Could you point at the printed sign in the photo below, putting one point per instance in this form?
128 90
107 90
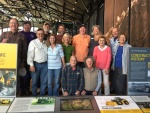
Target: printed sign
139 71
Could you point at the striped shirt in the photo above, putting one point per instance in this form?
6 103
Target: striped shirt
37 51
54 57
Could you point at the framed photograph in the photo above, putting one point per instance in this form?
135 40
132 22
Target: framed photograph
74 104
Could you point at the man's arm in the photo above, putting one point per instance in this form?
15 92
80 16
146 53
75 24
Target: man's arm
99 80
31 54
61 53
107 66
64 81
81 81
24 51
3 39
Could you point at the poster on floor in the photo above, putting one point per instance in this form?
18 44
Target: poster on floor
143 102
8 70
139 71
5 104
32 105
117 104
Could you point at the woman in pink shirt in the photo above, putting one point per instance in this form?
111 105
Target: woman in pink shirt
102 55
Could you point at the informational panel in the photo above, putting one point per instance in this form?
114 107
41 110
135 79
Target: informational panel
8 70
117 104
5 104
139 71
33 105
143 102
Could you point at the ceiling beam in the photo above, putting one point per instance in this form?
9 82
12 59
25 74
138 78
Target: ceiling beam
61 13
65 8
74 5
64 5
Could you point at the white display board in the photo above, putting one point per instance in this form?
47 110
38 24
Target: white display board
32 105
117 104
5 104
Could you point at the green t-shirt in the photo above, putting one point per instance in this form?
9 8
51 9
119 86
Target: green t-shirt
68 52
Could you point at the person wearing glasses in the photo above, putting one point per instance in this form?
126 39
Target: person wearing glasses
13 36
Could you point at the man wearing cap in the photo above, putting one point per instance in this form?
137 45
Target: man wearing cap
81 43
60 33
13 36
25 81
46 28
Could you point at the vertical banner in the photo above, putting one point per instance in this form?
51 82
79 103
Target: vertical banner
8 70
139 71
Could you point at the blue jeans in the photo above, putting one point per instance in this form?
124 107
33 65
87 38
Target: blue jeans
40 73
53 77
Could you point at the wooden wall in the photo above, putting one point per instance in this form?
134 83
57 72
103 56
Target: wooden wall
134 23
116 15
140 23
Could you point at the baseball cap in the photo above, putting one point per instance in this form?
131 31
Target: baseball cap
46 23
22 71
82 25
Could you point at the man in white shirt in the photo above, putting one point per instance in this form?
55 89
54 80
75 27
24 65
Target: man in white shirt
37 59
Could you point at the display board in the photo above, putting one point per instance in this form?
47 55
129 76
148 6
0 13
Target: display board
117 104
143 102
5 104
8 70
139 71
76 104
32 105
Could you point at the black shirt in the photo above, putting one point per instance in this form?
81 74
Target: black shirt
93 43
46 36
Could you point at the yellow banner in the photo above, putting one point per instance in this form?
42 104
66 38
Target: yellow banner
8 56
122 111
146 110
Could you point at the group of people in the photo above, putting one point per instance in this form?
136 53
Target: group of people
78 65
